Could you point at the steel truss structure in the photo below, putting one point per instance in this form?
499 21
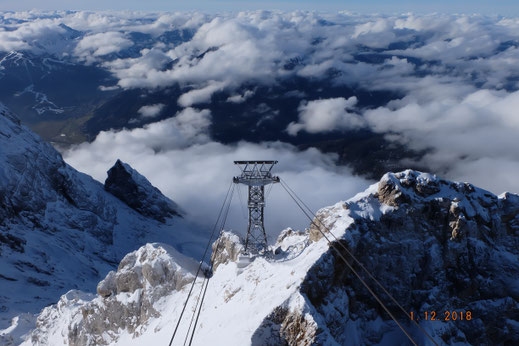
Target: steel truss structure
256 174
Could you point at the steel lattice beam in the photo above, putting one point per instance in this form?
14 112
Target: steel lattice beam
256 174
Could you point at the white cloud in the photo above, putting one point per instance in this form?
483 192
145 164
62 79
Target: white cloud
187 128
151 111
377 33
196 172
38 36
96 45
326 115
200 95
255 47
238 98
456 77
460 135
143 71
108 88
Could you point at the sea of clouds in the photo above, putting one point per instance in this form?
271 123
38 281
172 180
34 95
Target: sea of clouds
457 76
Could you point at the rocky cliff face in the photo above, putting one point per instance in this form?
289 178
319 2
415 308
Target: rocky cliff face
60 229
435 245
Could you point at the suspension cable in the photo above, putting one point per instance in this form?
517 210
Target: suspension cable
201 263
206 280
360 264
351 267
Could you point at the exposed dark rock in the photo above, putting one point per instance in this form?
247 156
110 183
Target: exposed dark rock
137 192
15 243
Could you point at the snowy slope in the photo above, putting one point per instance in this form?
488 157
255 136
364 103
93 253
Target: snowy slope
435 245
60 229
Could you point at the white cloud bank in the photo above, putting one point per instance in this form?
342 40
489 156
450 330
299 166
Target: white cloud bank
178 157
200 95
457 75
100 44
470 139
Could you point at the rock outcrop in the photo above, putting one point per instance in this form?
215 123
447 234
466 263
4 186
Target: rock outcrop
136 191
125 300
230 246
59 228
435 245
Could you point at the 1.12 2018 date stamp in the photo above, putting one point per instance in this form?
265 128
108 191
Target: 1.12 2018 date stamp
442 316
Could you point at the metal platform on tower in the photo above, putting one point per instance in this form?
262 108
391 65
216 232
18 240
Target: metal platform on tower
256 174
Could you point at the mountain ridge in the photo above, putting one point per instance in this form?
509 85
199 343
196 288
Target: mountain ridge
435 245
61 229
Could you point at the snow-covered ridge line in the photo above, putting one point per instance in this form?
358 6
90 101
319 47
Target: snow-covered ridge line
125 299
434 244
61 230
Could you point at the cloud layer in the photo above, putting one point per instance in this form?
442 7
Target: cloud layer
471 139
455 78
178 157
151 111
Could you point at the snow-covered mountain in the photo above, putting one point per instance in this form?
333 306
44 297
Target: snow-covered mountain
435 245
60 229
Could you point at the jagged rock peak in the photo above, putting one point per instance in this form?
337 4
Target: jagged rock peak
440 246
230 246
150 266
412 186
126 298
138 193
437 245
60 228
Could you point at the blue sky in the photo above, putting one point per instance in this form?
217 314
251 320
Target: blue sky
503 7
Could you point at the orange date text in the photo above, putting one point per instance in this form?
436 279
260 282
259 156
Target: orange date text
444 316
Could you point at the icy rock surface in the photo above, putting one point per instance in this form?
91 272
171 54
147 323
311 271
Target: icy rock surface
137 192
125 299
59 228
435 245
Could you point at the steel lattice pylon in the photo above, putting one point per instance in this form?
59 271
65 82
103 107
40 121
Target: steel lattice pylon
256 174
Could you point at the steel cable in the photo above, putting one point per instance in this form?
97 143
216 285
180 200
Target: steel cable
200 265
351 268
362 267
206 280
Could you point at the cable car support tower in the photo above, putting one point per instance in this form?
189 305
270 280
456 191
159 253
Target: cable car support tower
256 174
